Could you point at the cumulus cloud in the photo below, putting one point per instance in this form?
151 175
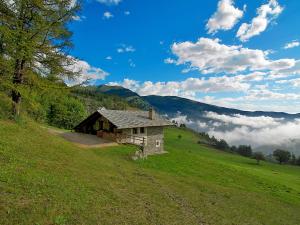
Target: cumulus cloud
265 14
211 56
285 72
110 2
292 44
225 17
87 73
107 15
189 87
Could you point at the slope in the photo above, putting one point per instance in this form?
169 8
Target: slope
46 180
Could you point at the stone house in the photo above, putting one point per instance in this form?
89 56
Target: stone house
142 128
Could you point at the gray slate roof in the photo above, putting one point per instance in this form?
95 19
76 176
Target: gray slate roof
131 119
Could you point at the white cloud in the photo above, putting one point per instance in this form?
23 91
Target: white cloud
292 44
295 70
110 2
127 13
72 4
260 99
265 14
78 18
241 120
189 87
107 15
125 48
294 82
170 61
210 56
87 73
256 131
225 17
108 58
181 119
131 63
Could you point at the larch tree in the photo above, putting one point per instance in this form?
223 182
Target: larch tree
34 38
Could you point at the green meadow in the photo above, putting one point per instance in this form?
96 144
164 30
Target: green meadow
47 180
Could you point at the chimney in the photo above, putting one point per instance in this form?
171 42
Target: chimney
151 114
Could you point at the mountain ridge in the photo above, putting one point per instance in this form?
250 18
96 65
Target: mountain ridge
162 104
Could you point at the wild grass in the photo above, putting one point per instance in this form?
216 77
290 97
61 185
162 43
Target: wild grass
46 180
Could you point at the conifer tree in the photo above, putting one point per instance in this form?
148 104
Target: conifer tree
34 38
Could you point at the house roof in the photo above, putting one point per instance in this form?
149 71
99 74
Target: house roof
131 119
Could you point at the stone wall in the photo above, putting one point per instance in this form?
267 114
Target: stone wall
155 140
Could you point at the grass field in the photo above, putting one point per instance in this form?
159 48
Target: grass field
46 180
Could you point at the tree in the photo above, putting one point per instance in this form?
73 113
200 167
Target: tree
222 145
66 112
282 156
298 161
245 150
233 148
293 159
258 156
182 125
34 38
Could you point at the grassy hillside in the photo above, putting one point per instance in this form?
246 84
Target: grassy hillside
46 180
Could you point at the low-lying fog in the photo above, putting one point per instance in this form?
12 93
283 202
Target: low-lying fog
262 133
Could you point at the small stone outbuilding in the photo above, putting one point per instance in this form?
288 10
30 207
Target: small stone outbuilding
142 128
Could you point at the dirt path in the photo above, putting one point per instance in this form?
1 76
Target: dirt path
83 140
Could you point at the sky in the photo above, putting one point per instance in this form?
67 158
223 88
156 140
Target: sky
239 54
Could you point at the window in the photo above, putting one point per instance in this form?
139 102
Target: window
142 130
134 131
157 143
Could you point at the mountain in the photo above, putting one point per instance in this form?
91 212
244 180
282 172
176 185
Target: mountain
131 97
264 131
171 105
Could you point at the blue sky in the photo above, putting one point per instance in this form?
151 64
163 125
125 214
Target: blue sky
241 54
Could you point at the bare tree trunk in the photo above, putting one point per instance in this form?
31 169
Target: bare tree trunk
17 80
